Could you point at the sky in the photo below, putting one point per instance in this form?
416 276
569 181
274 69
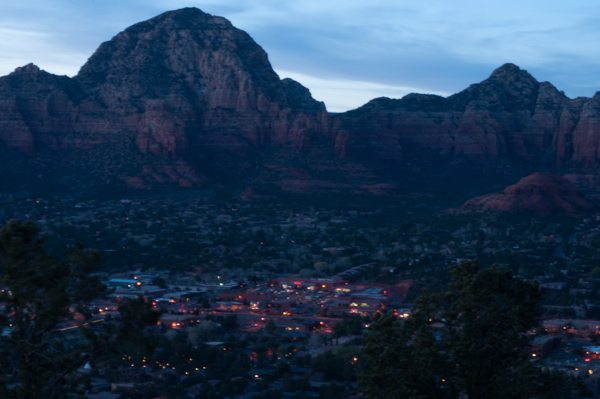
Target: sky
346 52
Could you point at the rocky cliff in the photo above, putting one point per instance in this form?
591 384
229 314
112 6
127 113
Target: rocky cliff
541 193
510 115
185 99
180 88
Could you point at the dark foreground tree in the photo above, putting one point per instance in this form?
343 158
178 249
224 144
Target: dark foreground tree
467 341
39 293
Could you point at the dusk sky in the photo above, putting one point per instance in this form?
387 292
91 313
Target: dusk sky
346 52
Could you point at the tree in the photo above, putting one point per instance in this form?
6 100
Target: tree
270 327
467 341
159 281
39 293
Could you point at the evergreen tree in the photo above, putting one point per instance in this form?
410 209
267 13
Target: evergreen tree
467 341
39 293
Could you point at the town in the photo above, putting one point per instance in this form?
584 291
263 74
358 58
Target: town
264 300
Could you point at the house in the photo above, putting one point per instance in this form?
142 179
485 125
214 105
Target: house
543 345
177 321
555 286
123 283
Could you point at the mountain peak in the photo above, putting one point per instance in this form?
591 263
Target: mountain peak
173 45
30 68
187 18
509 86
506 69
511 75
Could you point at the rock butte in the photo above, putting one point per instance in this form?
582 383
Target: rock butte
539 192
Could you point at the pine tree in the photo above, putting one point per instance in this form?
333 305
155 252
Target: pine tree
467 341
39 292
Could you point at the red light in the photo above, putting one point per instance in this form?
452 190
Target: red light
297 283
587 360
153 303
322 323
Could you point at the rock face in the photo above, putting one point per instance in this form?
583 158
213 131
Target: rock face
173 91
510 115
541 193
185 99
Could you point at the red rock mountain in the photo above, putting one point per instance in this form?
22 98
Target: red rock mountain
509 115
181 87
185 99
539 193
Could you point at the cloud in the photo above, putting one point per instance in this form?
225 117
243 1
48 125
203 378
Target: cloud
447 43
342 95
436 46
21 47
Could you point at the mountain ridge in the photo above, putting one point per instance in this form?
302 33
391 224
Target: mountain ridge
186 100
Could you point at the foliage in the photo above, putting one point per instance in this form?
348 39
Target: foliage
39 293
350 325
466 341
233 387
159 281
337 365
128 338
270 327
42 293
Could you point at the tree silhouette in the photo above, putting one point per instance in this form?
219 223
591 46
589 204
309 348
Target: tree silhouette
40 293
467 341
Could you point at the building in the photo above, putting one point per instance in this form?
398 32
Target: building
544 345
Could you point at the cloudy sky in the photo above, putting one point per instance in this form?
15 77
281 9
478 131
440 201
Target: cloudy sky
345 51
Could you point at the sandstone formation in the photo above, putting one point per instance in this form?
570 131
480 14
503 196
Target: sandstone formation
508 116
187 100
171 92
542 193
